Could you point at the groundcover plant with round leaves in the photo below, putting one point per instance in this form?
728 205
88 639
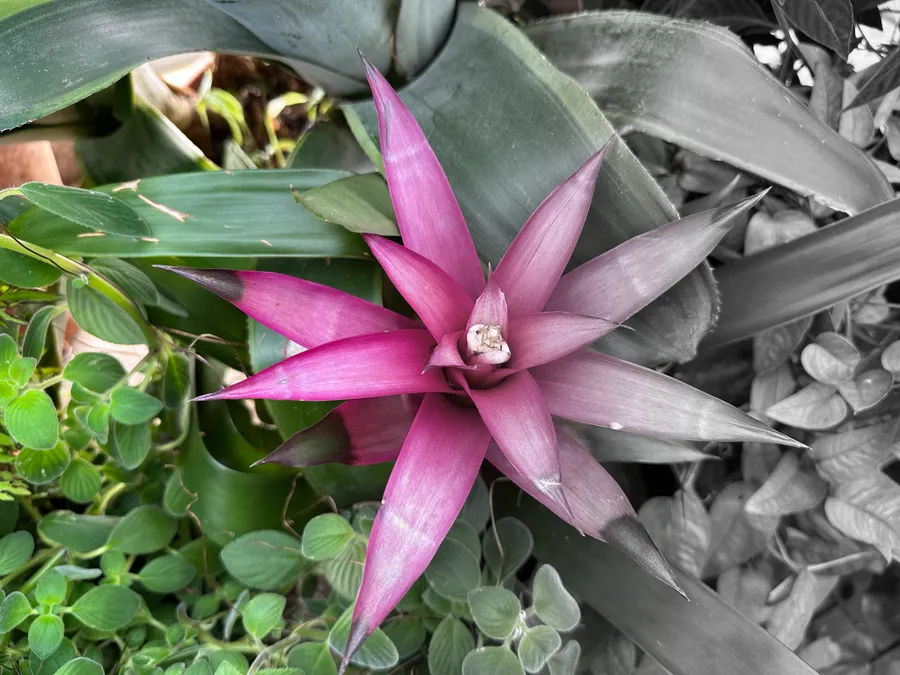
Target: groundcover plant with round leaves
487 366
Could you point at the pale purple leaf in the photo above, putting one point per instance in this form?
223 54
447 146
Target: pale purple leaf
537 339
446 354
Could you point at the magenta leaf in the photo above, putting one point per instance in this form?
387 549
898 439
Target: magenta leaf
536 339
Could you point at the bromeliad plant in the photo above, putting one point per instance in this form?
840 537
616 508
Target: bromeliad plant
495 361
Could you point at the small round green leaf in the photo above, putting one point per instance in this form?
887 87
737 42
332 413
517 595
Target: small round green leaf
517 543
537 645
565 661
80 481
376 653
22 369
454 570
113 563
262 614
325 536
80 666
132 443
101 317
448 648
199 667
266 559
25 272
77 532
107 607
477 508
9 351
177 499
42 466
144 530
167 574
553 604
234 658
31 420
94 210
176 381
492 661
9 514
95 371
8 391
45 634
14 609
495 610
51 589
313 658
407 633
344 572
48 666
15 551
132 406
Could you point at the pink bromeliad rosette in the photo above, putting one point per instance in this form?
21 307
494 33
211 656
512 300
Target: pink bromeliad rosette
487 367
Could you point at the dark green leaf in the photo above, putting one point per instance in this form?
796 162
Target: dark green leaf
208 214
80 482
63 654
80 666
262 614
132 406
647 80
376 653
107 607
492 661
101 317
358 203
15 550
31 420
51 589
515 545
495 610
36 333
344 571
448 647
167 574
313 658
130 279
143 530
407 633
176 380
878 80
537 645
132 443
176 498
477 508
25 272
828 22
95 211
266 559
422 27
45 635
329 145
325 536
95 419
9 514
467 535
95 371
454 570
553 604
77 532
13 611
42 466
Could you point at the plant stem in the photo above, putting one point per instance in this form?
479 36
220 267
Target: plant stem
46 567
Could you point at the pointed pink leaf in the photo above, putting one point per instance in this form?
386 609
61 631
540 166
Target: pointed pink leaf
538 255
486 328
446 354
310 314
428 215
428 486
383 364
599 508
439 301
515 413
598 389
490 309
536 339
626 279
366 431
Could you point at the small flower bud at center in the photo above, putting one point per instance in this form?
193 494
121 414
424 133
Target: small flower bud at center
487 343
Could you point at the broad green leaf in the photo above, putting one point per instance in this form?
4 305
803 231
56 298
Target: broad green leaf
828 22
853 256
565 661
358 203
80 482
209 214
422 27
234 658
407 633
495 610
132 406
24 272
499 181
31 420
647 80
36 333
878 80
313 658
176 380
376 653
875 502
95 419
477 508
329 145
792 616
9 514
553 604
679 526
262 614
95 371
132 443
735 536
143 530
176 498
816 406
537 645
467 535
129 278
661 622
107 607
867 389
77 532
505 557
21 370
113 563
9 351
861 524
95 211
45 634
101 317
51 589
492 661
325 536
344 571
454 570
14 609
831 359
166 574
42 466
15 550
448 647
50 665
788 489
80 666
199 667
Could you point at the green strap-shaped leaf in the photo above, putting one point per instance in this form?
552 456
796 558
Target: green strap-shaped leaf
699 87
422 27
509 134
207 214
